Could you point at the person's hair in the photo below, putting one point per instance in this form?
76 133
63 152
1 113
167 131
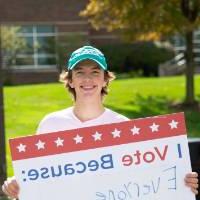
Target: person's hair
66 77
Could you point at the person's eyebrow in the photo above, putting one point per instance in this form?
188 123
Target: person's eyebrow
95 67
78 68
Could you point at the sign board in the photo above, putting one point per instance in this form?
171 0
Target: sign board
141 159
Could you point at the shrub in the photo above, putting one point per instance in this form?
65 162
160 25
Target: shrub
140 56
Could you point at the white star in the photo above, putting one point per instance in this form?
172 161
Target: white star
116 133
78 139
59 142
173 124
154 127
40 145
21 147
97 136
135 130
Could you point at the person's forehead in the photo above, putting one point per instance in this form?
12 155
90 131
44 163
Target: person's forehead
87 64
86 67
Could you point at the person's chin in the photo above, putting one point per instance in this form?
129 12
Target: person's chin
90 94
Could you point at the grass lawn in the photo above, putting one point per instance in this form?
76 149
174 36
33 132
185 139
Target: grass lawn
3 198
26 105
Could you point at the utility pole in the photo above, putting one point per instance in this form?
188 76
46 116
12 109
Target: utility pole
3 174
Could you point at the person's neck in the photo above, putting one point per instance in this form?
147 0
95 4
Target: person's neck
85 111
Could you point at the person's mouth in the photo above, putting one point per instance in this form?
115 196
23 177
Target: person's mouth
88 88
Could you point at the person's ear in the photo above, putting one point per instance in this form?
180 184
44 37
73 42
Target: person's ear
71 84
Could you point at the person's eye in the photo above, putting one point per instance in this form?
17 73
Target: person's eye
79 72
95 72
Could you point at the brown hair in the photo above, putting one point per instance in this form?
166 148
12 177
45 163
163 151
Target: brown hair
66 77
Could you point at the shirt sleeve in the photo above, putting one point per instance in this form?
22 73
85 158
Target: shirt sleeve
44 126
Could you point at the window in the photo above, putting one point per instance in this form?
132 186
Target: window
39 51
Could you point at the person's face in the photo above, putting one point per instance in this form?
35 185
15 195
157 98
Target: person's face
87 80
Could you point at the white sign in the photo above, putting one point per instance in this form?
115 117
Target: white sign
142 159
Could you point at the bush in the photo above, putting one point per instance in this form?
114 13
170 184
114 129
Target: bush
142 57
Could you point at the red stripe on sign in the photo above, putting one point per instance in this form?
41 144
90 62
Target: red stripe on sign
98 136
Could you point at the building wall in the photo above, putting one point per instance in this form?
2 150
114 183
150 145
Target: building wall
63 13
30 77
71 29
40 10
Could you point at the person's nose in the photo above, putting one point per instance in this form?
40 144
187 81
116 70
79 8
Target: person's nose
87 77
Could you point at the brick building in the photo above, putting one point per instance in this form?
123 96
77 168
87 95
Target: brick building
51 30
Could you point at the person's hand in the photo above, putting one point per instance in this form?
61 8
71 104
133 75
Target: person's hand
191 180
11 188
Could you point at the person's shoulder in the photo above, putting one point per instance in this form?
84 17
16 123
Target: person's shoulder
54 121
58 114
116 116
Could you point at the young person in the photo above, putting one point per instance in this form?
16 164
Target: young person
87 79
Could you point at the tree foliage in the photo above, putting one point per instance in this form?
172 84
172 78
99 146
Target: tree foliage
150 18
10 41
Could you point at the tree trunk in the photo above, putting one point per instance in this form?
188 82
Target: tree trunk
190 97
2 132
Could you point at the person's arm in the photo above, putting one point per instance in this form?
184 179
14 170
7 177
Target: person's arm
11 187
191 180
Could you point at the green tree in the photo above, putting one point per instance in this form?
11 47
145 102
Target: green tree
12 43
150 19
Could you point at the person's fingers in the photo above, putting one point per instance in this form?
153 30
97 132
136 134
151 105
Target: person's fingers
192 185
192 175
11 188
191 180
8 193
4 189
12 185
195 191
